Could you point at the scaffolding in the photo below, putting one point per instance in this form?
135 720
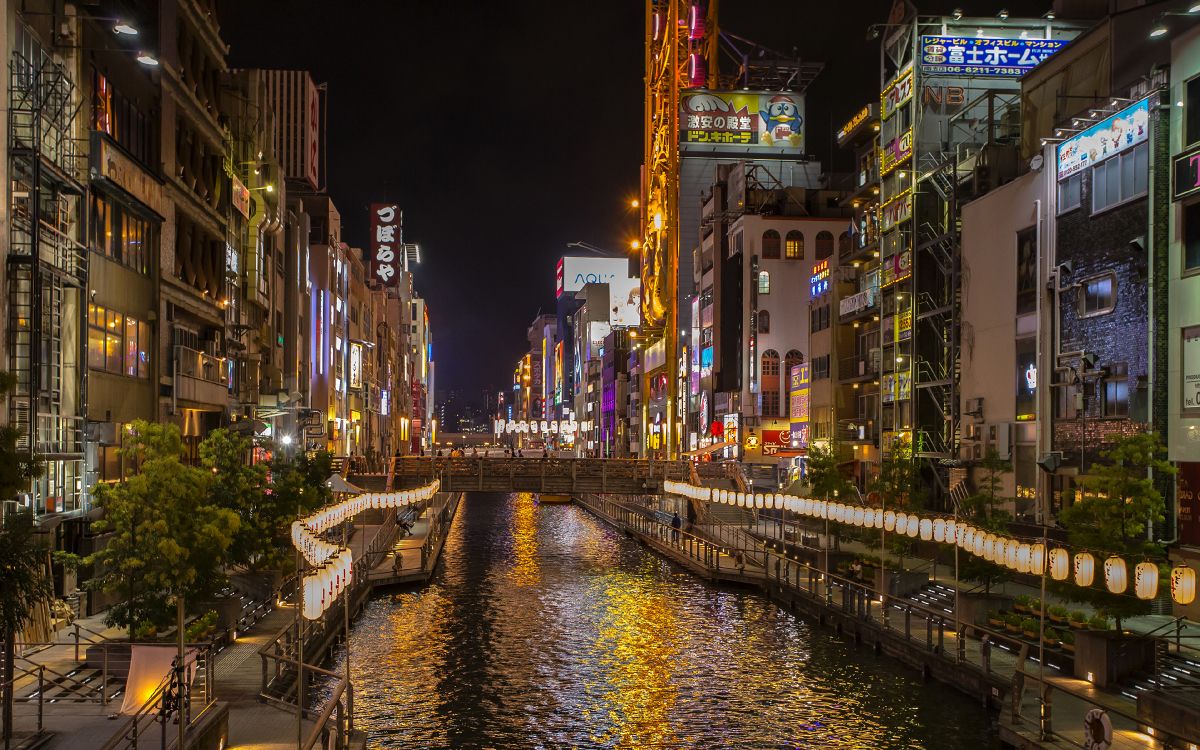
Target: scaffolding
47 271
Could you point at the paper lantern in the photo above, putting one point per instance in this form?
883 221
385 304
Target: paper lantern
758 500
901 523
939 530
1085 569
968 538
1023 553
1145 580
889 520
925 529
1059 564
1037 559
1115 579
1010 553
989 547
1183 585
914 526
980 542
739 499
859 517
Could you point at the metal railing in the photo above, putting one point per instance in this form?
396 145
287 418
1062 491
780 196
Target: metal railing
191 363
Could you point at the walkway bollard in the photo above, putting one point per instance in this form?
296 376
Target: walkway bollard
76 641
104 679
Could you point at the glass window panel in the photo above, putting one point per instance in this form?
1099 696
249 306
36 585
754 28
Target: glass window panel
1112 183
131 346
144 344
1128 176
112 352
1191 233
1193 111
95 348
1141 166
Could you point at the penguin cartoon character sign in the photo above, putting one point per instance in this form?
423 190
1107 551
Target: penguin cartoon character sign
782 122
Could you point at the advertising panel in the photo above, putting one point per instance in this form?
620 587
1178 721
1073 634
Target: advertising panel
1187 491
356 365
887 388
1109 137
1027 379
1190 364
764 123
854 123
239 196
732 433
312 135
855 302
798 404
903 324
896 211
818 283
973 56
896 152
1187 174
625 298
385 243
574 272
903 385
896 94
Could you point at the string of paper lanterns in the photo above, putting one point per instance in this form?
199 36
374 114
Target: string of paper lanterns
1016 554
333 564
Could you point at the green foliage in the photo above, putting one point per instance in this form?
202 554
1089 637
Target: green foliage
200 627
1117 503
23 581
1013 619
899 481
982 511
240 486
144 441
1058 611
1077 617
825 478
166 537
1098 622
1052 634
1029 625
1067 637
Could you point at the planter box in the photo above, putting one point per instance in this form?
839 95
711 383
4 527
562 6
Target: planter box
903 583
1107 656
973 608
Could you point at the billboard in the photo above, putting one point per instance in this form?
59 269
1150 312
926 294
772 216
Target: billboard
761 123
574 272
1109 137
356 365
973 56
798 404
385 243
625 300
312 135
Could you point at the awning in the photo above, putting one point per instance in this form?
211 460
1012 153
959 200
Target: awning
338 484
710 449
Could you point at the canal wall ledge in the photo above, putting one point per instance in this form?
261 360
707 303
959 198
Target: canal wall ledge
989 668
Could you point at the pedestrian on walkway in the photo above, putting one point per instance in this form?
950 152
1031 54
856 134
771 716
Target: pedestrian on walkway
676 523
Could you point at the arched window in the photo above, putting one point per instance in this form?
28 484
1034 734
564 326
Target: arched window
824 245
770 383
845 245
764 321
790 360
770 245
764 282
794 247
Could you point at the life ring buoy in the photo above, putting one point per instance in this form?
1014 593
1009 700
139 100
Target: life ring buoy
1097 730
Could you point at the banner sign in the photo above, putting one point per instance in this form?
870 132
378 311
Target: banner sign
798 404
896 211
356 363
1109 137
854 122
741 121
971 56
896 94
385 243
855 302
1187 493
895 153
239 196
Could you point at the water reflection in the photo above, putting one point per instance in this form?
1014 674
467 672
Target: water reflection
546 629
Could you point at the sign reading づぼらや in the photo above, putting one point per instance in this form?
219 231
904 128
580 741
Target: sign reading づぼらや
385 243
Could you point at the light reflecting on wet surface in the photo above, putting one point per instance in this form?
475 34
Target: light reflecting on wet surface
545 628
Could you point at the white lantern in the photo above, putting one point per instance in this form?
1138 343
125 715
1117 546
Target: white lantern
968 538
979 548
989 547
939 530
1037 559
951 532
1060 564
1085 569
901 523
1183 585
925 529
1115 579
889 520
914 526
860 516
741 500
759 501
1145 580
1010 553
1023 558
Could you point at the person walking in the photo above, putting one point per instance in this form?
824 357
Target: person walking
676 524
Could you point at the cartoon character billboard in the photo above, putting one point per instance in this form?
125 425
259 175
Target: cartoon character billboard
754 122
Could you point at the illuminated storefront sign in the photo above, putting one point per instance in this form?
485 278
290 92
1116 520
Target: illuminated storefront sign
798 404
903 385
239 196
1190 364
896 211
1109 137
853 123
356 352
896 152
887 388
896 94
903 325
819 281
1187 173
732 434
897 267
972 56
714 121
385 243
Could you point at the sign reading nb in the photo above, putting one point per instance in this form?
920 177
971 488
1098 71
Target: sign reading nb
385 243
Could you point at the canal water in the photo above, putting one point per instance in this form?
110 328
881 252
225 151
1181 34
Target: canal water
545 628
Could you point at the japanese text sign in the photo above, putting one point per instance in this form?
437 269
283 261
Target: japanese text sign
385 243
1109 137
967 56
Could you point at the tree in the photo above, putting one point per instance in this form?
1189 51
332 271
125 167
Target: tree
899 485
241 487
1116 505
825 478
298 485
167 539
23 582
981 510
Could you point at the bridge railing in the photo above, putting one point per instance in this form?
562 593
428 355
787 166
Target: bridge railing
536 474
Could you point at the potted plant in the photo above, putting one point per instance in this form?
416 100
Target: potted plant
1078 620
995 619
1029 628
1068 642
1021 604
1058 614
1051 638
1098 622
1035 606
1012 622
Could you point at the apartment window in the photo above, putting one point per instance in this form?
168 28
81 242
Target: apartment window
1070 193
764 282
770 383
1116 390
764 321
1192 113
1191 234
818 318
117 233
1120 178
820 367
790 360
119 344
770 245
1097 295
120 119
793 248
824 245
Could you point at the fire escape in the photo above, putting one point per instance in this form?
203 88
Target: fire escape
47 271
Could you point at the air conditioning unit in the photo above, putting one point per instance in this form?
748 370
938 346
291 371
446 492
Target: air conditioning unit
999 439
974 407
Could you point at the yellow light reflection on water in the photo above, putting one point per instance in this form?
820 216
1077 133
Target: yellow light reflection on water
525 571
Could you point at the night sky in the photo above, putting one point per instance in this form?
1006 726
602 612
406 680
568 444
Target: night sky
506 130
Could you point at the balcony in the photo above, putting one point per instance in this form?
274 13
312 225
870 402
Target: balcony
58 435
856 306
200 377
55 248
859 367
864 430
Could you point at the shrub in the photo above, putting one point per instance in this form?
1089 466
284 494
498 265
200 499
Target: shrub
1059 611
1068 637
1029 625
1078 617
1052 635
1098 622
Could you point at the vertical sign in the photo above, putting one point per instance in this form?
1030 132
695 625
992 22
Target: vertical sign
385 243
798 397
312 134
356 362
1187 492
